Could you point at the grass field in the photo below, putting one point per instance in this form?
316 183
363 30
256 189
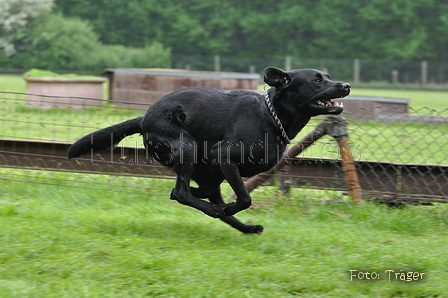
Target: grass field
420 99
12 83
60 241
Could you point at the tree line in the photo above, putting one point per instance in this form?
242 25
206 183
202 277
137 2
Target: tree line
366 29
315 29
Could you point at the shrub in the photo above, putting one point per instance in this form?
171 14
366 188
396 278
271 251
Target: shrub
59 43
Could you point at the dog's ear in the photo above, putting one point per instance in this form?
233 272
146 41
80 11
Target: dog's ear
276 77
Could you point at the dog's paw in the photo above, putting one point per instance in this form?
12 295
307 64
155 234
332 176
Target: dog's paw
257 229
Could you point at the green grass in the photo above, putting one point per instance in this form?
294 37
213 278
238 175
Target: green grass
420 99
64 125
60 241
12 83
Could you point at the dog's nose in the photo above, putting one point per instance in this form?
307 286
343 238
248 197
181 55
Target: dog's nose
346 86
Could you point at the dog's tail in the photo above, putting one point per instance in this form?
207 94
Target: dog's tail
105 138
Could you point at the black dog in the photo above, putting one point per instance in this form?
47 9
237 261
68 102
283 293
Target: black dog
209 135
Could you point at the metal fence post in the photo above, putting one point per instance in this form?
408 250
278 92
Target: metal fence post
394 76
217 62
424 72
288 63
356 71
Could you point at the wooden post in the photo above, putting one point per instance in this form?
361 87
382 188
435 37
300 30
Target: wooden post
339 133
350 173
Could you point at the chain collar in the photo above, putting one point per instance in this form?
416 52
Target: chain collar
277 120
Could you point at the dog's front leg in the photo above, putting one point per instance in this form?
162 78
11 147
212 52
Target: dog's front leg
243 198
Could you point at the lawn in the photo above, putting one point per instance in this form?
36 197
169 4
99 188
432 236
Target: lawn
61 241
12 83
421 100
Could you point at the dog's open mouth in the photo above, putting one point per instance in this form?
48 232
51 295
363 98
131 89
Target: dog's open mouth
326 106
327 103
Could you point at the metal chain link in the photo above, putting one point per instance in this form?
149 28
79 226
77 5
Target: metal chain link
277 120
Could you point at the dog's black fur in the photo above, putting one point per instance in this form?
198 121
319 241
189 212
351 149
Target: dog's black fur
208 135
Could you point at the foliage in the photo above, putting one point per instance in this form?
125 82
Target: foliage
380 29
113 56
15 14
59 43
118 33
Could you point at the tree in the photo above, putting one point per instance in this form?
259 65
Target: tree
14 15
55 42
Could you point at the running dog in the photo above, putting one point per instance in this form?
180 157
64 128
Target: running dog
209 135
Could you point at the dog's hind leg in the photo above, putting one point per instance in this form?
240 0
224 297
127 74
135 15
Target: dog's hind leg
216 198
182 193
211 190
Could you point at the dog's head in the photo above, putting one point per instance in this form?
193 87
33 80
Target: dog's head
310 90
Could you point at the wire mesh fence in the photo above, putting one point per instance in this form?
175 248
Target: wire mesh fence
399 156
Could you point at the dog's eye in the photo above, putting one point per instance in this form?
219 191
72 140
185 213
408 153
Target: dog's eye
318 80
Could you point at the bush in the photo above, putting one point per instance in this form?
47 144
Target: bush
55 42
58 43
113 56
